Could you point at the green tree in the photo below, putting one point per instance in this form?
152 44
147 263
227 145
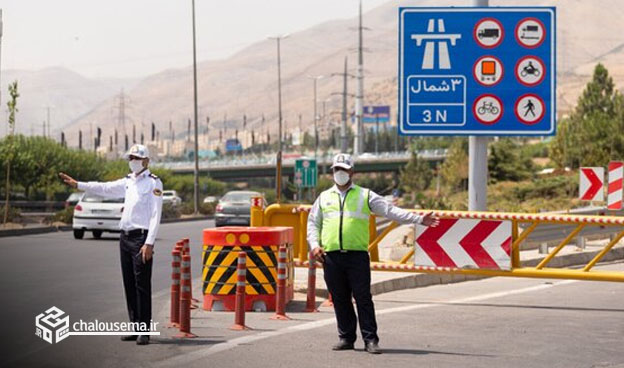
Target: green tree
592 135
505 162
416 176
12 105
454 170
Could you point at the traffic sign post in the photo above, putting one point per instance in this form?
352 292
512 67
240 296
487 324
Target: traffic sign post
477 71
306 173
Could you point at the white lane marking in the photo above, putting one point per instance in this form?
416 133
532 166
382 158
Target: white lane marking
231 344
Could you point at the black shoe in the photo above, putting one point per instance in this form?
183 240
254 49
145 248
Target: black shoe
343 345
129 338
372 347
143 340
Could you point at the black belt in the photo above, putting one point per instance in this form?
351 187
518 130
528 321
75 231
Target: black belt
135 232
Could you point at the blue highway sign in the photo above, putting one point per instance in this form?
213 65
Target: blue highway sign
477 71
374 114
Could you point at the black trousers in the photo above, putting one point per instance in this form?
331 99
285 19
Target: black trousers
137 278
348 274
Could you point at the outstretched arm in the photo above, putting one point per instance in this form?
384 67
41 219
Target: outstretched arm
110 189
381 207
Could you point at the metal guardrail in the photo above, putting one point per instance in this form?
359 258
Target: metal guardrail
546 234
37 206
258 160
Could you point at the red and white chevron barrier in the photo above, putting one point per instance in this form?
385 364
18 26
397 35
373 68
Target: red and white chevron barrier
614 192
591 183
459 243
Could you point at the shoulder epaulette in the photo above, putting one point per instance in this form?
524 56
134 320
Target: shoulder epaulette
153 176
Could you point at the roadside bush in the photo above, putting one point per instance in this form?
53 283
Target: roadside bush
65 215
207 209
184 185
14 214
169 211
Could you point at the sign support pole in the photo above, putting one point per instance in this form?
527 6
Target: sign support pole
477 162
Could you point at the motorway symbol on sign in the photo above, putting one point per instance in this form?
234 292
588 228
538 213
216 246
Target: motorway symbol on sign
614 191
529 109
449 58
530 71
431 38
591 184
464 243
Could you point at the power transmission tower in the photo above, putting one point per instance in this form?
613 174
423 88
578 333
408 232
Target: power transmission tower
122 106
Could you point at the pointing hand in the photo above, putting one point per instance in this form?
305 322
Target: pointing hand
430 220
68 180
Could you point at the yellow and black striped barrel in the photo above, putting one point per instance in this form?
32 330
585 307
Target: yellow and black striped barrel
219 269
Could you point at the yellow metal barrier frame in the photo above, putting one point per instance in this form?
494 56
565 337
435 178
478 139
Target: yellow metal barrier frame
296 216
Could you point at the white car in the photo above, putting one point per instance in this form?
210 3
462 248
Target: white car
97 214
171 196
211 199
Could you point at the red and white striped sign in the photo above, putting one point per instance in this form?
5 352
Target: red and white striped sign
257 202
614 191
464 243
591 184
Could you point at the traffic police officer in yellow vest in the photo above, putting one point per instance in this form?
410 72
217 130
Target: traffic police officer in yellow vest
338 236
142 193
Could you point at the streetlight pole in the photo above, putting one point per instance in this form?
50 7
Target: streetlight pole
278 179
316 140
196 168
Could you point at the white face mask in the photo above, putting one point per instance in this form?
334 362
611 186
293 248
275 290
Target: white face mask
341 177
135 166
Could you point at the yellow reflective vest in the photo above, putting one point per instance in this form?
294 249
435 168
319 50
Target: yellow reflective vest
345 223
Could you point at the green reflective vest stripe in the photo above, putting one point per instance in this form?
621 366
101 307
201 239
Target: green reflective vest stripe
345 225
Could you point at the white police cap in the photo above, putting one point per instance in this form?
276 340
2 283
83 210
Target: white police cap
343 160
138 150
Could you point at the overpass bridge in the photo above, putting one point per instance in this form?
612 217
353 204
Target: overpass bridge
264 166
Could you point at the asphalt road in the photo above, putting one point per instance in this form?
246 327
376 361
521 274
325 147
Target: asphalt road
498 322
81 277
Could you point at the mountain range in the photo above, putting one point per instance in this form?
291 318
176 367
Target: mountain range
245 84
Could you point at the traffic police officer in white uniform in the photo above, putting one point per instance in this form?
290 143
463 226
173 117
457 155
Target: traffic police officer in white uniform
338 236
142 193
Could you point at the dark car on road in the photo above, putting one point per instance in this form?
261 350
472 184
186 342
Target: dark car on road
234 208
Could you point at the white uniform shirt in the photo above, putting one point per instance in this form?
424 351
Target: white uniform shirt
377 204
142 200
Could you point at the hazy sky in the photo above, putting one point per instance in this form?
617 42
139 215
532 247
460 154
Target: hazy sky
134 38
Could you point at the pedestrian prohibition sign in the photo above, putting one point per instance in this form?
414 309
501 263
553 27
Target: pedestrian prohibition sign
477 71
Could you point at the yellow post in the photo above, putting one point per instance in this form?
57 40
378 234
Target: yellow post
373 247
303 235
606 249
515 251
565 241
372 234
407 256
256 212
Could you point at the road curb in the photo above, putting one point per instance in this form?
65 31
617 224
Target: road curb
53 229
429 279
